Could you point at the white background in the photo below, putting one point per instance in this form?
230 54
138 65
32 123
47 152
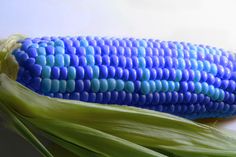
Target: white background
210 22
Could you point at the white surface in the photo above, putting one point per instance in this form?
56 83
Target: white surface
199 21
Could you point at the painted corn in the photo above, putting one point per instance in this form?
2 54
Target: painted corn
184 79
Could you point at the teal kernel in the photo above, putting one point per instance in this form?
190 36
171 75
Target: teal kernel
178 75
177 86
211 91
41 51
90 60
145 87
204 88
41 60
194 64
50 60
141 51
70 86
103 85
142 62
62 86
165 85
95 71
43 45
51 43
200 65
181 64
119 85
171 85
46 72
111 84
198 87
55 86
59 60
197 76
158 85
83 43
222 95
213 69
143 43
129 86
59 42
90 50
180 53
46 85
146 74
152 86
193 54
34 45
59 50
71 73
95 85
207 66
66 60
216 94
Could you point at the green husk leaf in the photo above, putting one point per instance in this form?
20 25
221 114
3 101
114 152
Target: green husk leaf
160 132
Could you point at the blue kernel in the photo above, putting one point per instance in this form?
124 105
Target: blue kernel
203 76
111 72
82 61
32 52
70 50
119 73
55 73
168 62
183 86
153 74
81 51
185 75
132 74
122 61
227 74
148 61
88 72
121 51
114 60
135 61
74 60
84 96
155 61
166 74
73 96
36 70
129 63
103 71
106 60
232 86
92 97
58 95
98 60
125 75
79 72
220 71
114 95
161 62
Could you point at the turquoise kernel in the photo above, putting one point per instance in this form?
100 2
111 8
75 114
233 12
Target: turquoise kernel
197 76
103 85
211 91
55 86
177 86
59 60
95 85
90 50
83 43
158 85
222 95
152 86
180 53
200 65
41 60
178 75
50 60
66 60
46 85
171 85
51 43
62 86
193 54
111 84
34 45
129 86
213 69
207 66
59 50
204 88
216 94
181 64
146 74
142 62
194 64
165 85
143 43
71 73
41 51
46 72
95 71
43 45
145 87
90 60
119 85
141 51
59 42
70 86
198 87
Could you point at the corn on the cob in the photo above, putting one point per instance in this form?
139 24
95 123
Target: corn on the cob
188 80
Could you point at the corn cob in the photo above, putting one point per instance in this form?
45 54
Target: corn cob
184 79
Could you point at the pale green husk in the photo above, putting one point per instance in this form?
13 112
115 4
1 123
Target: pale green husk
87 129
